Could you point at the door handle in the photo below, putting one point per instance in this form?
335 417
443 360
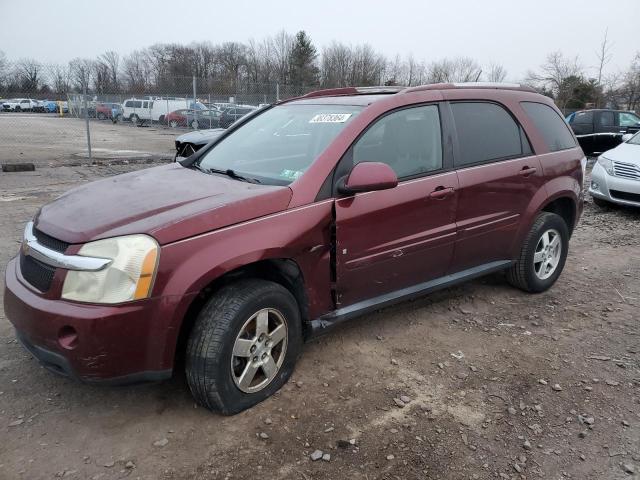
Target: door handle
527 171
441 192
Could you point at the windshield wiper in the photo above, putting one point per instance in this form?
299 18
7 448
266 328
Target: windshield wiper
233 174
228 172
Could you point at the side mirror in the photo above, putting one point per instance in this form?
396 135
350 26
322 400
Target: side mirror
627 136
367 177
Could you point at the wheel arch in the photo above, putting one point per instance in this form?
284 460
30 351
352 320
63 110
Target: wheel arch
283 271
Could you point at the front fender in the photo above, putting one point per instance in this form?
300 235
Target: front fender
301 234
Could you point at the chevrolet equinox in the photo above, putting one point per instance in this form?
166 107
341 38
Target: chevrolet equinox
298 217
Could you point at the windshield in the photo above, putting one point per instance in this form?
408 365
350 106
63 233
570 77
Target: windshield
277 146
635 140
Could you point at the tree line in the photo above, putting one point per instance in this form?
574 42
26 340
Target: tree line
293 60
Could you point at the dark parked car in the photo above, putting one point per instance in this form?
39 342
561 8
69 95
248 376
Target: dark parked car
601 130
231 114
305 215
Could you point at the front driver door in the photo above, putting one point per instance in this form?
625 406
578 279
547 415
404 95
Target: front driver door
392 239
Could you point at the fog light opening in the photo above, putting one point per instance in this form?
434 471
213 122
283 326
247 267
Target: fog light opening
595 186
68 337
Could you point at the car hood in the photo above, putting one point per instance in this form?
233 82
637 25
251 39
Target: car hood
169 202
200 136
625 152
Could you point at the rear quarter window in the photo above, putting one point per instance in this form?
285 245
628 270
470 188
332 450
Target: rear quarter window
486 132
554 130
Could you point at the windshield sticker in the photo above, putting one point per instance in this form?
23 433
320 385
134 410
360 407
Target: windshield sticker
291 174
330 118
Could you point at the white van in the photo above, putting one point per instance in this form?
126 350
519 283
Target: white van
155 108
135 109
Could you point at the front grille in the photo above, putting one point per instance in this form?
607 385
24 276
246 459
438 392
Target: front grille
629 197
50 242
36 273
626 170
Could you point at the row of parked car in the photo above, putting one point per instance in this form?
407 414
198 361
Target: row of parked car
31 105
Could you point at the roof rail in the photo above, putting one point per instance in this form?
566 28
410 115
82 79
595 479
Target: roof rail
332 92
490 85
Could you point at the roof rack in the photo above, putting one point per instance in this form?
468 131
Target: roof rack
332 92
489 85
344 91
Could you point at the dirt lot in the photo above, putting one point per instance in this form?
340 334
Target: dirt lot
46 139
501 384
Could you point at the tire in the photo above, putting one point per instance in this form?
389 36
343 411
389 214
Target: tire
194 124
18 109
134 118
214 370
531 276
602 203
101 116
173 124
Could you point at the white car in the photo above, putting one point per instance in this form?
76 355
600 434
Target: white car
154 108
19 105
616 175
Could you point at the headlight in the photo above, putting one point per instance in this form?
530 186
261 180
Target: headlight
606 164
129 276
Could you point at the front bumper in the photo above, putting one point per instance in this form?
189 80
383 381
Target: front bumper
115 344
614 189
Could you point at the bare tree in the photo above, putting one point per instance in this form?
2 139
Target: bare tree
28 73
111 62
556 76
496 73
82 70
604 55
459 69
4 69
60 79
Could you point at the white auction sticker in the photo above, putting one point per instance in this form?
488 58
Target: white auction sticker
330 118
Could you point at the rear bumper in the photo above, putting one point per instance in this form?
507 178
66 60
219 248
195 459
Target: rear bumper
614 189
115 344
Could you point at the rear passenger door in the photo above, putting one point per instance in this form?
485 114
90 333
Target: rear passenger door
498 176
391 239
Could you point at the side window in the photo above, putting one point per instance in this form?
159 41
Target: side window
607 119
628 119
128 104
408 140
486 132
583 118
145 104
137 104
551 126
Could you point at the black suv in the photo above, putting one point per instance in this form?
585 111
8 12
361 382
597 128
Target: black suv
602 130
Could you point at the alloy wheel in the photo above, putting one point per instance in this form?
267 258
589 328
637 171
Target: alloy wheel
259 350
547 254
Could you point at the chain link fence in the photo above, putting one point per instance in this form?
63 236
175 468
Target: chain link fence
41 123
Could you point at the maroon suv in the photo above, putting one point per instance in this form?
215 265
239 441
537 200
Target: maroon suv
302 216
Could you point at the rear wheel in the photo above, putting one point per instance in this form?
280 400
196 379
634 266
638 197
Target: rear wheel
134 118
101 116
194 124
18 109
543 254
243 346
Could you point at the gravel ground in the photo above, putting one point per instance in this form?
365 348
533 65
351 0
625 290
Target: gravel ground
480 381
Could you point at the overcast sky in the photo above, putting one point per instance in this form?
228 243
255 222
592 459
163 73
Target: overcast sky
516 34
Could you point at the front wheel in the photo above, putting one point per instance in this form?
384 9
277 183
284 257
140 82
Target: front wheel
543 254
173 124
243 346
